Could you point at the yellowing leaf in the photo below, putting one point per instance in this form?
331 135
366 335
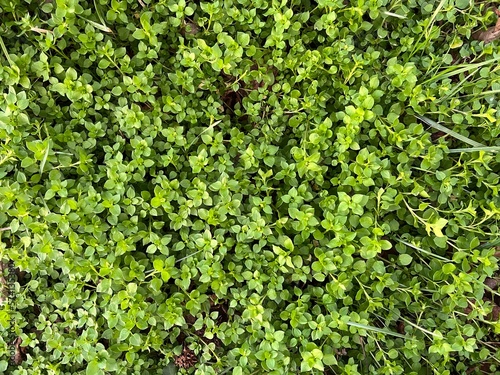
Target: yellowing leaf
436 227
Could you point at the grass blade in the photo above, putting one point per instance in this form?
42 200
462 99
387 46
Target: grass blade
423 251
458 87
45 156
433 18
489 244
457 69
422 329
390 14
211 126
101 18
483 93
450 132
98 25
188 256
5 52
376 329
42 31
473 149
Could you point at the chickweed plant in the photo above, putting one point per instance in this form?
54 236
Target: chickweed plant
249 187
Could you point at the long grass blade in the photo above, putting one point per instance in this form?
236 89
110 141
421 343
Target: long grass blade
211 126
42 31
489 244
376 329
5 52
45 156
390 14
98 25
188 256
474 149
450 132
101 18
483 93
433 18
458 87
423 251
421 328
457 69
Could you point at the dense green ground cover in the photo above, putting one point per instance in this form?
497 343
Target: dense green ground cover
249 187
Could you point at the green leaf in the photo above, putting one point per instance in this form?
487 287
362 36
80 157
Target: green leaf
462 4
158 265
27 161
243 39
405 259
103 64
329 359
139 34
135 340
124 333
165 275
156 284
93 368
448 268
14 225
156 202
170 369
287 243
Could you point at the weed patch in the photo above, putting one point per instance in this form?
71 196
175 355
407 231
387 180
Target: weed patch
249 187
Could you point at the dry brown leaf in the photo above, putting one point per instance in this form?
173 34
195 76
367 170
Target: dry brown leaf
20 353
42 31
186 359
491 34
